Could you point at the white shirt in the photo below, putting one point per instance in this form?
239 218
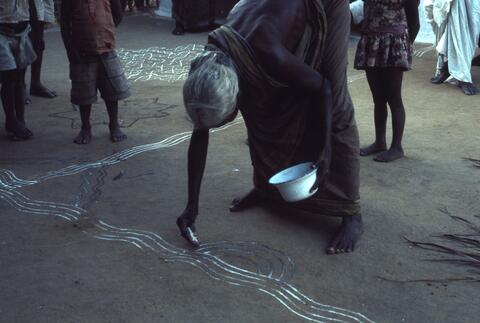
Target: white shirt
45 10
14 11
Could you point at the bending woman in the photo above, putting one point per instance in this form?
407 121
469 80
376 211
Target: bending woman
276 62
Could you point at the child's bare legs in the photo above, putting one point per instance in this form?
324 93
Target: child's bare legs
13 100
376 83
386 87
393 87
37 37
85 135
116 134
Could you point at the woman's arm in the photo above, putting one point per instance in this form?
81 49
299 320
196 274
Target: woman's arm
325 100
291 71
411 9
197 156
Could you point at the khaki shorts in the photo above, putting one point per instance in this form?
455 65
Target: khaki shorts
103 72
16 51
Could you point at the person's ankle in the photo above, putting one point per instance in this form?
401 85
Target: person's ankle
35 85
114 124
12 121
380 143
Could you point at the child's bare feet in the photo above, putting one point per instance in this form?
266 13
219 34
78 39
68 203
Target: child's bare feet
390 155
84 136
116 134
373 149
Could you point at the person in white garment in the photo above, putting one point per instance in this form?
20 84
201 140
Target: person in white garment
456 24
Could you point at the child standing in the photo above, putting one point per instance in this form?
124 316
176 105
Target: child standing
88 31
385 52
16 54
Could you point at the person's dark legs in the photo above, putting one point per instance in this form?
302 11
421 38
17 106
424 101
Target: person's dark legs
130 5
468 88
85 134
393 85
376 83
36 86
8 99
140 4
442 76
115 133
179 29
13 100
20 94
476 61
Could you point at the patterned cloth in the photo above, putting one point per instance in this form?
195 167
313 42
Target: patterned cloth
385 41
283 123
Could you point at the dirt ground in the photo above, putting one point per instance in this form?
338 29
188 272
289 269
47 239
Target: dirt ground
87 233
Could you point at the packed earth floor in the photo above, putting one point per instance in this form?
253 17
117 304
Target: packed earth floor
88 234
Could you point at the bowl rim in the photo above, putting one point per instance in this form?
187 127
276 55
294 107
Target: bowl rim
295 179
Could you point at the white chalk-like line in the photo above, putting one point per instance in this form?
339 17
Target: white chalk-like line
203 258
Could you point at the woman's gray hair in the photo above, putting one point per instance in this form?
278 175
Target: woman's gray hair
210 92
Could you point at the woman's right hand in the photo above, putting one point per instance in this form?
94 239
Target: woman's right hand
186 225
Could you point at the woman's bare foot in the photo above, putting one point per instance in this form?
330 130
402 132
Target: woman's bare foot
116 134
251 199
390 155
373 149
84 136
347 236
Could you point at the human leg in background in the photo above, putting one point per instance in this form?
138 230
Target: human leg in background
115 133
13 100
85 135
376 83
392 78
37 37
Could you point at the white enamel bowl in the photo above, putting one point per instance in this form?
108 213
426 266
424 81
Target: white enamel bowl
294 183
